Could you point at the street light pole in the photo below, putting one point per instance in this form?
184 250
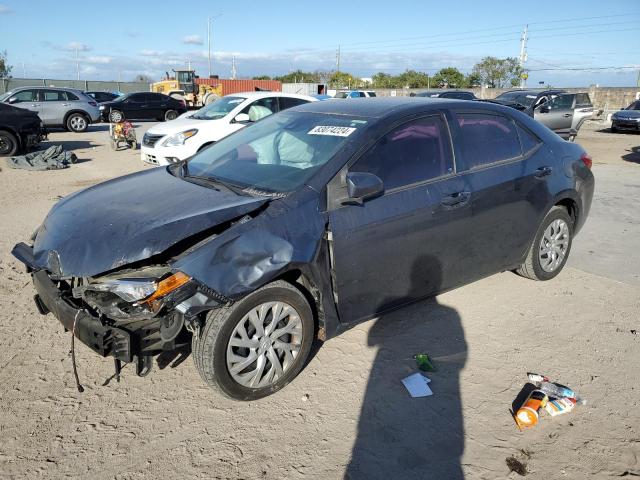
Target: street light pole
209 39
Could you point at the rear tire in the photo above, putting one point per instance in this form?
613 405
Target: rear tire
8 144
550 248
77 123
217 354
613 129
170 115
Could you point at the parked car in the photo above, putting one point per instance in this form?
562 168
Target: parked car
355 94
142 106
57 107
562 112
457 94
627 118
20 130
303 225
101 97
169 143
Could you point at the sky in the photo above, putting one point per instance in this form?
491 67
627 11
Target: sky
570 42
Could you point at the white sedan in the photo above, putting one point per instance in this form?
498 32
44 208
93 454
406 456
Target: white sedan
179 139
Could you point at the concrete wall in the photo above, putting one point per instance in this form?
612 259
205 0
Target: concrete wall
607 99
7 84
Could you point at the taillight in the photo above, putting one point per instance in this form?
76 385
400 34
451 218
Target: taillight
587 160
93 104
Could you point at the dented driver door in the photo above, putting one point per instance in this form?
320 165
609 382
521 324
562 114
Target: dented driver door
404 244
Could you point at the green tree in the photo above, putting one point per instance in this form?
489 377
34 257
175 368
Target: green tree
413 79
262 77
298 76
5 69
449 77
473 80
498 72
343 80
383 80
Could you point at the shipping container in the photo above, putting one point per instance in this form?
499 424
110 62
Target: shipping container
305 88
237 86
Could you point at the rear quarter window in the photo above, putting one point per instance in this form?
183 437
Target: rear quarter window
486 138
71 96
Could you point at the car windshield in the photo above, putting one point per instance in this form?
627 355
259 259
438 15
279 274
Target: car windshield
523 98
218 109
277 154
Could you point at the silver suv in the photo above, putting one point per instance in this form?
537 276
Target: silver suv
57 107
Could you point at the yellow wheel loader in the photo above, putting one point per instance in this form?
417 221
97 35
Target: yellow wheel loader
183 86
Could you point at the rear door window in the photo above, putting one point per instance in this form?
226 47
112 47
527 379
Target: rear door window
137 98
288 102
562 102
52 96
486 138
414 152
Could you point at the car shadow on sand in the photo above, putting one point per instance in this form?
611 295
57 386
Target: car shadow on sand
403 437
633 156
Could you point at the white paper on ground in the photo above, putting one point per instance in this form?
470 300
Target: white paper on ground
417 386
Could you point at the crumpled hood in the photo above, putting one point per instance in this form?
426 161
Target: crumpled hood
628 114
128 219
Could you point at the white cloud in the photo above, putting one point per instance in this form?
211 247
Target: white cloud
193 40
73 46
151 53
98 59
5 10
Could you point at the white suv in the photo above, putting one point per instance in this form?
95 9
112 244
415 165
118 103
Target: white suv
182 138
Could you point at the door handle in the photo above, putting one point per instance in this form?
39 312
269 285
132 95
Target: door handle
65 104
455 199
567 115
543 172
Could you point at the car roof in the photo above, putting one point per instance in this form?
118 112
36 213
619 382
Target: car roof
43 87
381 107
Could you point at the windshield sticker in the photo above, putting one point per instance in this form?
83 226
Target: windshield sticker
530 96
332 131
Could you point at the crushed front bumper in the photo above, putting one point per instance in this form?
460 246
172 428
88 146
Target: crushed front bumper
102 339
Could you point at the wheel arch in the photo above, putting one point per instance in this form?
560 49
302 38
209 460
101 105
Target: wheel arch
311 292
76 110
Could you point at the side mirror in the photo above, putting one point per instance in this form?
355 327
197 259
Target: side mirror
241 118
544 109
13 100
362 186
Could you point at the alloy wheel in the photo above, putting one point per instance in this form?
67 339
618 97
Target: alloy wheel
264 344
78 123
554 245
115 117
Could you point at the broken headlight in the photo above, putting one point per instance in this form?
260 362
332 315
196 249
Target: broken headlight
129 290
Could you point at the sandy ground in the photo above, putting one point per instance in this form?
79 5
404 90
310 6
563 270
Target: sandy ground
347 413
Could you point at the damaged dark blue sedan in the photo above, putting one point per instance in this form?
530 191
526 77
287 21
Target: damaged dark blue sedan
302 225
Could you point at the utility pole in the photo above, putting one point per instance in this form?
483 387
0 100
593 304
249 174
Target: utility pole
233 67
77 64
523 55
24 71
209 39
338 59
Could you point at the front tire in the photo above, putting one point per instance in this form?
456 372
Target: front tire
550 249
256 346
116 116
8 144
77 123
170 115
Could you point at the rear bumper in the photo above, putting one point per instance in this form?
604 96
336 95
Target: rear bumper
102 339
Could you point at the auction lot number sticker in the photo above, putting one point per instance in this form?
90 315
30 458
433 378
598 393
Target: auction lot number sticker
332 131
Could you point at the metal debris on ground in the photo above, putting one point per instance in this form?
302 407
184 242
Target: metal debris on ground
53 158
